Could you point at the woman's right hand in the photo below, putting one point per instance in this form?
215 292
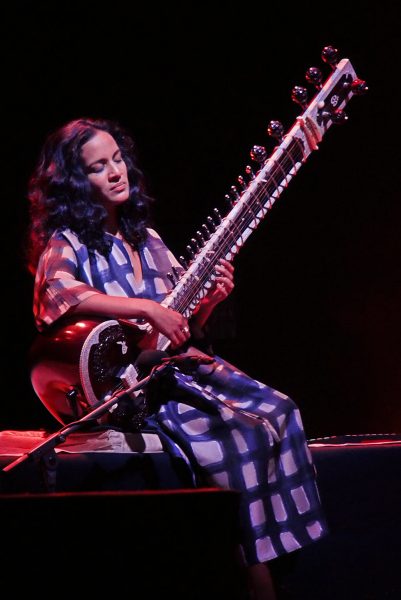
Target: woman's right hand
170 323
165 320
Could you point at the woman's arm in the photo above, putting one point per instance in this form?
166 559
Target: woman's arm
59 291
169 322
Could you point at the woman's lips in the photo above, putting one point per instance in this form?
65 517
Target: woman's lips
119 187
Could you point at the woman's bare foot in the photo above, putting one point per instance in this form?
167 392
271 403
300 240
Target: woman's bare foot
261 585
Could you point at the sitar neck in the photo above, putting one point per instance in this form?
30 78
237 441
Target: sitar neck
266 186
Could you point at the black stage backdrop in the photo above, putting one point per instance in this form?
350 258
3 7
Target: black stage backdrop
316 309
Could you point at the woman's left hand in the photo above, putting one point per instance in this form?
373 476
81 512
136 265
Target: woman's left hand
223 284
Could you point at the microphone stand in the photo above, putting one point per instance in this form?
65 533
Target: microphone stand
45 451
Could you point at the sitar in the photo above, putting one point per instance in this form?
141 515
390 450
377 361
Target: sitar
76 365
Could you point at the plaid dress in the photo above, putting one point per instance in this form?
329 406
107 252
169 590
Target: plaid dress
236 432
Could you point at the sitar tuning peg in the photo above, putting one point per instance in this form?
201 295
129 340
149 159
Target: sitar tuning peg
314 76
205 231
249 172
235 193
176 273
201 238
191 252
258 154
195 244
232 198
276 130
229 200
338 116
358 86
217 216
183 262
211 224
171 278
299 95
242 182
330 56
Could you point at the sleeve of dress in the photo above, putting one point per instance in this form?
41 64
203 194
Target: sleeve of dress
159 248
57 287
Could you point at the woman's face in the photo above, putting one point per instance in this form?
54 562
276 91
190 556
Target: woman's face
106 170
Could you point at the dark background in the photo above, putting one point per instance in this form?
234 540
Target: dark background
316 309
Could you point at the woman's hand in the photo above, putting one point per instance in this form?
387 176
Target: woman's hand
223 284
170 323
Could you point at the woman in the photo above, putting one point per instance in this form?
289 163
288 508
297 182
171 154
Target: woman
94 253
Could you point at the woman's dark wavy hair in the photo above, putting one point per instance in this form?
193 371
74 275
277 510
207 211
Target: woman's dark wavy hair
60 195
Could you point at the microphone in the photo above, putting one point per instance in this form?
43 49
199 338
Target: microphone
158 368
148 359
187 362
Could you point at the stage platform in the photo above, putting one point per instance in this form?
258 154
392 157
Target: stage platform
126 512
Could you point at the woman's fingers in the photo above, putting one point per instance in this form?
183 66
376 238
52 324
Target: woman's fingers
225 268
172 324
180 333
225 279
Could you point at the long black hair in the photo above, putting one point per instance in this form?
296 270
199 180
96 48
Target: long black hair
60 195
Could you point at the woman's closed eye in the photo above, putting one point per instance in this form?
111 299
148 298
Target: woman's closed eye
97 168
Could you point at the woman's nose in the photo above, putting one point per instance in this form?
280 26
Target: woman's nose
114 171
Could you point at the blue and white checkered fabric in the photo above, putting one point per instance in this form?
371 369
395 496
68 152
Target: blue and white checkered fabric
241 434
236 432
